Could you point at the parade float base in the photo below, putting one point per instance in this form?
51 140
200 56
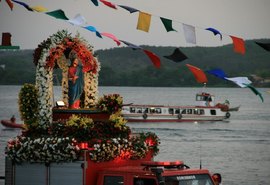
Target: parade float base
65 113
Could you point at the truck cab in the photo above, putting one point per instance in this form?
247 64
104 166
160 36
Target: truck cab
156 173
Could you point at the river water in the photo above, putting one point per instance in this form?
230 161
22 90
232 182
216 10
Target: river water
238 148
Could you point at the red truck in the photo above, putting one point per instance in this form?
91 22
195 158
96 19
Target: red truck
156 173
116 172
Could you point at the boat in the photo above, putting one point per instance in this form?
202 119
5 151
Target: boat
11 123
205 110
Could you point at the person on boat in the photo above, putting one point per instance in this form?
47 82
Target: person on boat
75 84
13 119
208 100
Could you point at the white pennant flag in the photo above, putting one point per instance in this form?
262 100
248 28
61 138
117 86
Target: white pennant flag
78 20
189 32
3 66
240 81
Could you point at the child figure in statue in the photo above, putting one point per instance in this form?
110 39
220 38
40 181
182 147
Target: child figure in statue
75 84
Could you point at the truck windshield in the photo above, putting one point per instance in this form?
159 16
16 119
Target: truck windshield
198 179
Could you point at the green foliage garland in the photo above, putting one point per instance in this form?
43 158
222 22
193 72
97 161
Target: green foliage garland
28 103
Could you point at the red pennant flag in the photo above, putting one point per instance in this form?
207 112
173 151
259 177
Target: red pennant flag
111 36
239 45
198 74
154 58
109 4
10 4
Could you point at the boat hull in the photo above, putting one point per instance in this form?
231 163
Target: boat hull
170 120
152 113
10 124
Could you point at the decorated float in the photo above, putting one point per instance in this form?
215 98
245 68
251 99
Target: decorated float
60 134
83 139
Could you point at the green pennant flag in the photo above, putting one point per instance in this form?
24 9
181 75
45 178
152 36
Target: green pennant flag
58 14
254 90
167 24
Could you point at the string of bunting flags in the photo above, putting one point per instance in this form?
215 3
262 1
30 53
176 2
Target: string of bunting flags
144 21
80 21
243 82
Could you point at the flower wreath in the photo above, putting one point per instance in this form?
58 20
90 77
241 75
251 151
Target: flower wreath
53 53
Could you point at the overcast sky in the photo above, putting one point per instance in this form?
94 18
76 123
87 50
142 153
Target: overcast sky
247 19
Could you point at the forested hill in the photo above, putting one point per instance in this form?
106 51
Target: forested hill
126 67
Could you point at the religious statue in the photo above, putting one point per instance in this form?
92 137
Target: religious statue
75 84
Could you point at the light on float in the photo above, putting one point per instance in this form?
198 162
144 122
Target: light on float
83 146
60 104
150 142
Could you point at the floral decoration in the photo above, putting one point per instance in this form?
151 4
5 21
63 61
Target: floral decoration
28 104
47 56
110 103
61 141
84 129
152 141
44 149
131 148
119 121
65 140
77 127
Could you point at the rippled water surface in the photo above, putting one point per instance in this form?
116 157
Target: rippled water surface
239 148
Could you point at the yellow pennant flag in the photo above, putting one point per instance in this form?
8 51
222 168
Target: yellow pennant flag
144 21
39 9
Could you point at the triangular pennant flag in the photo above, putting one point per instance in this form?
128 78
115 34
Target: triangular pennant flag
198 74
10 4
265 46
109 4
240 81
58 14
111 36
131 10
215 32
95 2
93 29
218 73
154 58
90 28
167 24
98 34
144 21
3 66
23 4
78 20
39 8
189 32
255 91
133 46
239 45
177 56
